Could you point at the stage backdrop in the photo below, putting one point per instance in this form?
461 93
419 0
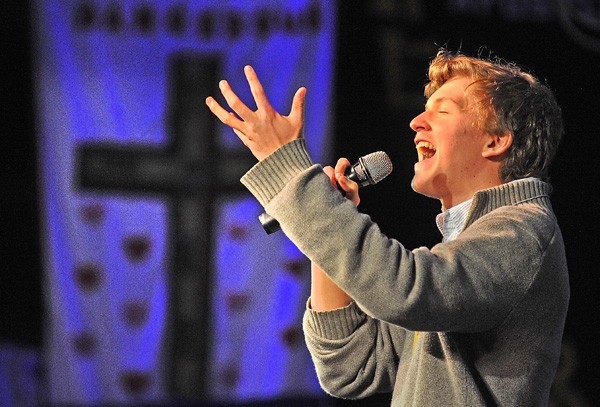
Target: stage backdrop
159 280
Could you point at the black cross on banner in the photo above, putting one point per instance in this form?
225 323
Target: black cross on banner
191 172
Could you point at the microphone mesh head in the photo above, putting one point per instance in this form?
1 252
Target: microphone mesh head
378 165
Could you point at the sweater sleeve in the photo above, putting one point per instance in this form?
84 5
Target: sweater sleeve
468 285
354 355
268 177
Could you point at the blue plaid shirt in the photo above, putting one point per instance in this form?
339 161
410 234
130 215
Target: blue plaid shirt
451 221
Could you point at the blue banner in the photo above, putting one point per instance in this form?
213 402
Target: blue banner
159 280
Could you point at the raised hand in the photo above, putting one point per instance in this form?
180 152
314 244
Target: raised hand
264 130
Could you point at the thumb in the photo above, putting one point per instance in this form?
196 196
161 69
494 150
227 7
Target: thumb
297 111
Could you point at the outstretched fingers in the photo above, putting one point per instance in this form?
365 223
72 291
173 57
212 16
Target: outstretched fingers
258 92
263 130
223 115
234 101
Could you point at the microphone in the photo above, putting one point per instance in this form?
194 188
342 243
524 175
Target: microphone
368 170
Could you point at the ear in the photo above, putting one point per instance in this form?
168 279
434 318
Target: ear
497 144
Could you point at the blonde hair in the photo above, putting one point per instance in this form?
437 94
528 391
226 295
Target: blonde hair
507 100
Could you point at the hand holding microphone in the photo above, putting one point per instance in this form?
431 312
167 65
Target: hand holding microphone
368 170
338 177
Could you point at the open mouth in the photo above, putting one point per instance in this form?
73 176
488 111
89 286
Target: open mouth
425 150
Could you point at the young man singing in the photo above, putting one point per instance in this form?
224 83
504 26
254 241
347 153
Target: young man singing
477 320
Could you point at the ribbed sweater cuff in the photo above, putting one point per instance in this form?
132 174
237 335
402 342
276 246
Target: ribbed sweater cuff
335 324
268 177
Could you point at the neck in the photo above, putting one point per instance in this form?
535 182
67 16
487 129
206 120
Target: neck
465 194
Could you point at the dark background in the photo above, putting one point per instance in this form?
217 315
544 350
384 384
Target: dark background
382 58
20 264
365 123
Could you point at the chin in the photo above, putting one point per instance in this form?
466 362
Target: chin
421 189
416 187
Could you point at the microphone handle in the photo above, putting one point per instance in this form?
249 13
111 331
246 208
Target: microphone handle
269 223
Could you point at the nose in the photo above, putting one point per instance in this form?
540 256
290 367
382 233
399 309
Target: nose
420 122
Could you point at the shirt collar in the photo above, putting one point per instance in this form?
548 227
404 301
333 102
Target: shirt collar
451 221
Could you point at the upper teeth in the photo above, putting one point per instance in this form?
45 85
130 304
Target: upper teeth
426 149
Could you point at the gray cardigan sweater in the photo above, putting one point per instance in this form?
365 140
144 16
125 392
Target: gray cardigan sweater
477 321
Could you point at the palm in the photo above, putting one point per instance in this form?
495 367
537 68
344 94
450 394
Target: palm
264 130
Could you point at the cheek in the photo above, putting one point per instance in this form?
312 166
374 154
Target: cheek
468 144
459 156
